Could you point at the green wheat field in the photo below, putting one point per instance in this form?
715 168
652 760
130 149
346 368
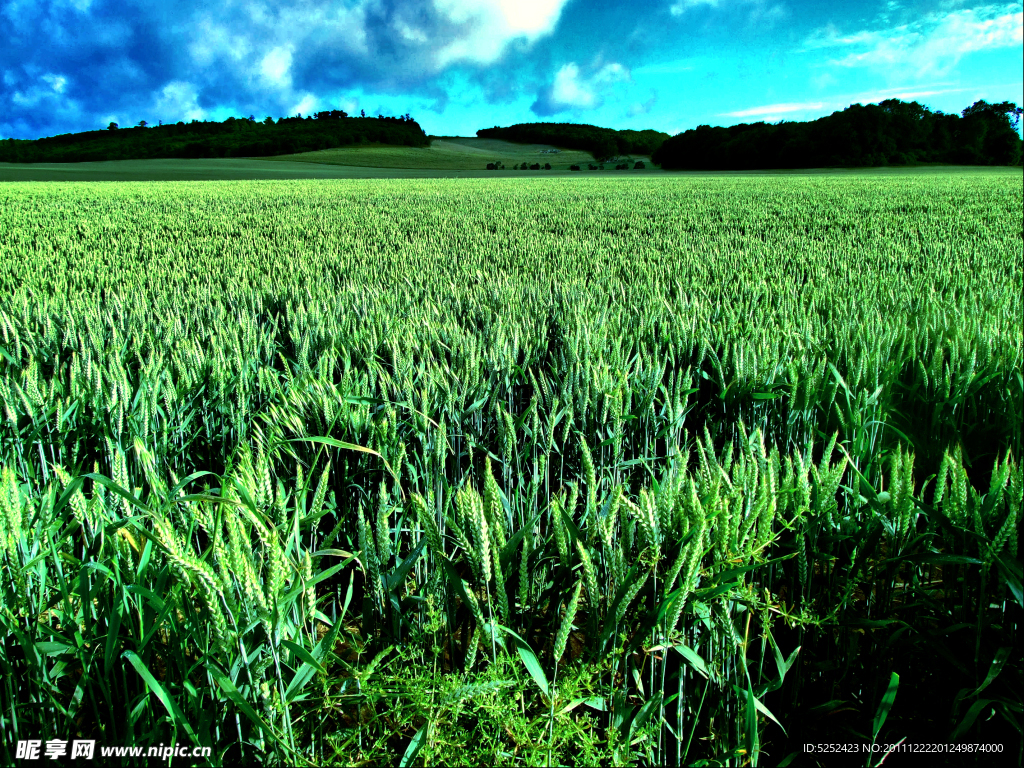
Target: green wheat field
686 470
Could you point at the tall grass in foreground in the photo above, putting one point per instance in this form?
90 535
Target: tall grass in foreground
342 473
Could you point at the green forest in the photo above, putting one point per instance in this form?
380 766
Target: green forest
231 138
890 133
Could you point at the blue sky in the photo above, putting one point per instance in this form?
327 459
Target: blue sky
460 65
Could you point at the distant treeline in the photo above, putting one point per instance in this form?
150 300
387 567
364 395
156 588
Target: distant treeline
231 138
602 143
890 133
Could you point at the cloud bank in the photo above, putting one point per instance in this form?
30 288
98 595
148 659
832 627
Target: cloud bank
932 45
71 65
81 62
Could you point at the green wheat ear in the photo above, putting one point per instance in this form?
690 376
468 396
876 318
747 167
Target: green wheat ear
493 507
429 525
570 615
524 574
383 525
590 575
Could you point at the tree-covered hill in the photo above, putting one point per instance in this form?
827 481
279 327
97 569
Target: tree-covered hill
602 143
890 133
231 138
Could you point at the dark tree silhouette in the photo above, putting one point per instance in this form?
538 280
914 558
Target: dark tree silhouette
602 143
605 148
892 132
333 114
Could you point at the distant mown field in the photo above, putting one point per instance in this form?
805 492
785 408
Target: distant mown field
450 154
444 159
688 469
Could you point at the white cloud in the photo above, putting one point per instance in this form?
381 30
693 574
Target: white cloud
275 67
772 112
178 100
642 108
57 82
682 6
934 44
51 92
305 107
424 38
519 17
758 11
766 16
29 99
775 109
491 25
211 41
332 26
611 73
409 33
904 93
570 90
